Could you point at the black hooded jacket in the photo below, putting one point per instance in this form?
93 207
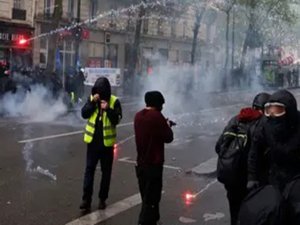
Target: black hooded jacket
277 143
101 87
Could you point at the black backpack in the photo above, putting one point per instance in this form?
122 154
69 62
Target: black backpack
263 206
232 151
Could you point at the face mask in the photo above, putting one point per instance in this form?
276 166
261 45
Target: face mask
278 126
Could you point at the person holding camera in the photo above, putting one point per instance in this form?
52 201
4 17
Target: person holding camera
152 131
103 111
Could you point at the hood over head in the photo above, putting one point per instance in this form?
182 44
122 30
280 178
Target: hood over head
286 98
103 88
260 100
284 126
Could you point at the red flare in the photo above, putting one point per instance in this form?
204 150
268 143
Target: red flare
189 196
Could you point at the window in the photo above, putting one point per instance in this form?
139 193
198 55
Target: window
43 43
48 7
96 50
111 56
173 56
67 52
43 49
173 28
184 29
18 4
145 26
72 6
164 53
96 55
43 58
160 27
93 8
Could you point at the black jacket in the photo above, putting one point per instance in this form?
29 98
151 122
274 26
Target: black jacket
278 142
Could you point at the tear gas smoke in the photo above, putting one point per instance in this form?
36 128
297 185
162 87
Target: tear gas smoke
188 96
38 105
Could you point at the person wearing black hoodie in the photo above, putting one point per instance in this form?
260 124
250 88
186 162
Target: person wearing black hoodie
103 111
277 141
250 119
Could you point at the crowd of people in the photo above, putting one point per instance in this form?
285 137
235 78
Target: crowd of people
72 88
259 161
258 155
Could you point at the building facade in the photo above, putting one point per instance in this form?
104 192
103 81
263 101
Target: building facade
16 27
105 42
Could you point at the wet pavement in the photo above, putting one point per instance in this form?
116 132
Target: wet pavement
41 179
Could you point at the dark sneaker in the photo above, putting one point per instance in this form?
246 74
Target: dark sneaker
85 205
102 205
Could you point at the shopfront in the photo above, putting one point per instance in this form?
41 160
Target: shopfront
15 49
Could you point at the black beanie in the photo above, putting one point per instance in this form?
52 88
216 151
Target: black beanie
154 99
260 100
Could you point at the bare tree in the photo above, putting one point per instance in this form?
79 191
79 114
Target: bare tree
200 9
258 13
226 6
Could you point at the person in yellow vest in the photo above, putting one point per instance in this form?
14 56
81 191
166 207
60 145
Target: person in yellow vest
103 111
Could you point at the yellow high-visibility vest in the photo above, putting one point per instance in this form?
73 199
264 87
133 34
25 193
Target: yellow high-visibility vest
109 130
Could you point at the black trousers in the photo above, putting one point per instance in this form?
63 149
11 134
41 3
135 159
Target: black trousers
150 185
106 156
235 196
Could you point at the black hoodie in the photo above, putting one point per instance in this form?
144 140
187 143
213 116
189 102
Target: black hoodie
101 87
278 142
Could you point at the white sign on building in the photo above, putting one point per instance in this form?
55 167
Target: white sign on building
112 74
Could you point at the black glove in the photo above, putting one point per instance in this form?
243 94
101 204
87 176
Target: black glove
252 184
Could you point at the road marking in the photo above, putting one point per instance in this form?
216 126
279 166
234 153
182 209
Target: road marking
216 216
125 140
63 134
127 160
206 167
121 125
112 210
187 220
130 103
50 137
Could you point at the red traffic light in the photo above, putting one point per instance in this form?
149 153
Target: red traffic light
22 41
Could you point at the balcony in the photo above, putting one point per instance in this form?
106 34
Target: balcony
18 14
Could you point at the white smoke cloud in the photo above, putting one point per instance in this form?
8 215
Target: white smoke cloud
38 105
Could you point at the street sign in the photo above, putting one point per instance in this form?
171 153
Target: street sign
112 74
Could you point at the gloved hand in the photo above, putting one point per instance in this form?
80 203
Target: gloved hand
252 184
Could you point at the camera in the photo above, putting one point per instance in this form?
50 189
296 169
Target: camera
172 123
